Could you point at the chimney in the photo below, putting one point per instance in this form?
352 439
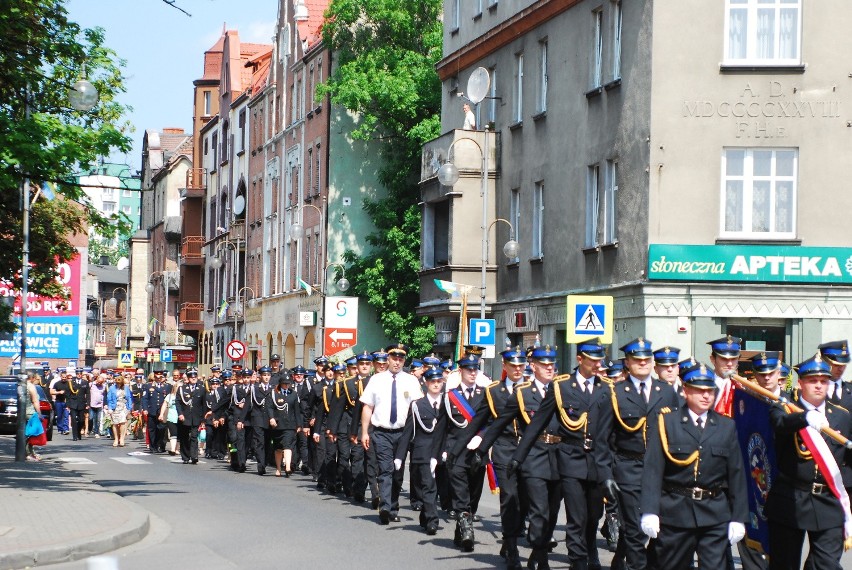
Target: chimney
104 260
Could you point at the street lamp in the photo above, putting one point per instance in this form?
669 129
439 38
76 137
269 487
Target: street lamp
113 301
448 175
297 229
342 283
83 96
238 306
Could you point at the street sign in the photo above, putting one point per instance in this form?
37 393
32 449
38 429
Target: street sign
165 355
341 312
125 358
337 339
483 332
589 316
236 350
154 354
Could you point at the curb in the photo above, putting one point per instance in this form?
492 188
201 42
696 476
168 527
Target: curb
132 531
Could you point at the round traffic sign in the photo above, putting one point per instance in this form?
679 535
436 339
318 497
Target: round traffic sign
236 349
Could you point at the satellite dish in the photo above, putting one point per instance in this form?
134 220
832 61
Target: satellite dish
239 204
477 85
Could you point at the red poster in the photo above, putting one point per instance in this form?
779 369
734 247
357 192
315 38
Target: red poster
37 306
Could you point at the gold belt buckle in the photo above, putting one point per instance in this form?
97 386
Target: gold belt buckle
818 488
697 494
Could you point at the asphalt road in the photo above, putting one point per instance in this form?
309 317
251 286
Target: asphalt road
208 516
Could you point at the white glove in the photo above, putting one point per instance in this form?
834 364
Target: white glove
397 464
736 532
474 443
432 464
444 456
816 420
847 529
650 525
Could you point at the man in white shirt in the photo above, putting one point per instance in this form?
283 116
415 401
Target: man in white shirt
386 401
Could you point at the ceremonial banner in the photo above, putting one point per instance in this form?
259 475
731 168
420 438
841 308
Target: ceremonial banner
757 445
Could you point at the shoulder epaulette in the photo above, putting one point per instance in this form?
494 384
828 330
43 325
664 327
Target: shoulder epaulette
665 410
838 406
495 383
524 385
561 378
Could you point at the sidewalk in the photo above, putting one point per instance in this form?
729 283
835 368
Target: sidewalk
53 515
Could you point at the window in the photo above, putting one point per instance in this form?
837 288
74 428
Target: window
242 124
515 214
542 84
519 88
478 11
108 193
126 193
763 32
610 196
109 207
592 205
127 210
492 104
310 172
454 26
616 40
597 47
759 193
537 240
317 157
207 103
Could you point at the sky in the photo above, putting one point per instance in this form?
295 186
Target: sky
164 50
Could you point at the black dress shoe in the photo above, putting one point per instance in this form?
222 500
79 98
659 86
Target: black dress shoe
416 508
395 518
185 461
375 503
454 515
384 517
432 529
193 461
477 518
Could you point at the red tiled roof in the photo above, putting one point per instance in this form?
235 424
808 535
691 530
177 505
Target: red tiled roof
213 59
310 31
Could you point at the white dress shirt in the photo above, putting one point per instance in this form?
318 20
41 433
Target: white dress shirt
378 395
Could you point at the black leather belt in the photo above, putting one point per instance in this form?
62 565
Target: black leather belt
387 430
550 438
631 455
695 493
812 487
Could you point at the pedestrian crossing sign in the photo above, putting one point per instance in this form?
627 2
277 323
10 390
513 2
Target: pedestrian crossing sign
589 316
125 357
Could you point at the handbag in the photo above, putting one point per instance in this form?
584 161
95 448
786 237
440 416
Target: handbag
38 440
34 427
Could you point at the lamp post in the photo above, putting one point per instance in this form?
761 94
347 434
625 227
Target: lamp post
448 175
150 288
239 306
342 285
82 96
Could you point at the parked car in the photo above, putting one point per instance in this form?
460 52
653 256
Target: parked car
9 407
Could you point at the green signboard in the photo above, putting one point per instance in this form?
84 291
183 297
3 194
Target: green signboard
754 263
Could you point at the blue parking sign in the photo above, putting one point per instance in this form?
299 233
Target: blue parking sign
483 332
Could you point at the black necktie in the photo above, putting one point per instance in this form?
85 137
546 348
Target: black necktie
469 393
838 391
393 401
699 422
589 386
435 406
642 390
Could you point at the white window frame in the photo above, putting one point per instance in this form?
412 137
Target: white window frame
456 22
751 55
748 179
597 48
610 235
617 22
519 87
542 85
592 205
478 11
515 216
537 238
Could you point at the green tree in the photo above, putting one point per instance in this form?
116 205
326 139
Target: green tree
386 51
42 54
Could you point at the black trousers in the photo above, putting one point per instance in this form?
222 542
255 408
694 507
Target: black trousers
388 478
188 440
676 547
344 462
466 484
358 471
216 441
300 452
545 496
238 438
371 470
156 434
513 502
634 538
584 507
415 487
428 491
259 441
77 417
785 547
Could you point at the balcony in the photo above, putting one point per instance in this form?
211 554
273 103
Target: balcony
190 318
192 250
196 183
